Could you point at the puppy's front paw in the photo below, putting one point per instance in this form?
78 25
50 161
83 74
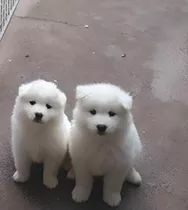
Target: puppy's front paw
80 194
17 177
111 198
50 182
134 177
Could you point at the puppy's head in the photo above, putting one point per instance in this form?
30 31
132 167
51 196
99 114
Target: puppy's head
102 108
41 101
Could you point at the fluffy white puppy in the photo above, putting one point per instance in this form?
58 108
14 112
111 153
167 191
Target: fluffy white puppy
40 130
104 141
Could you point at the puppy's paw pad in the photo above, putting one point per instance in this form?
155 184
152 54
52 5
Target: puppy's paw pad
50 182
134 178
70 175
80 194
17 177
112 199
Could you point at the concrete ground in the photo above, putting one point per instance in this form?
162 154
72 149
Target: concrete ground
48 39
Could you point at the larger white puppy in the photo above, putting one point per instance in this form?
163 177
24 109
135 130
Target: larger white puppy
40 130
104 141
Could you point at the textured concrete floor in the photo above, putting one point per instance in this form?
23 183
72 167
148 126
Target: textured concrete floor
154 36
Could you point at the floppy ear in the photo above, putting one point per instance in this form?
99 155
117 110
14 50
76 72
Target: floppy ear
23 89
81 92
127 101
62 98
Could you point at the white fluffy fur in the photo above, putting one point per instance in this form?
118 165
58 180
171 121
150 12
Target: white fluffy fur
112 154
43 142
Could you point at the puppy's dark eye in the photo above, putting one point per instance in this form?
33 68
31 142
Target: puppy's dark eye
93 112
48 106
111 114
32 102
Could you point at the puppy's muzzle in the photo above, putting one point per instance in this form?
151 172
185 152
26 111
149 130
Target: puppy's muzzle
101 129
38 117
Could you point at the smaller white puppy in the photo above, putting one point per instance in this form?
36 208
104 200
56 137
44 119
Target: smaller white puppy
104 141
40 130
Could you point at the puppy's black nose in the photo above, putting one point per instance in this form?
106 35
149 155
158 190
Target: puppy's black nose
101 128
38 116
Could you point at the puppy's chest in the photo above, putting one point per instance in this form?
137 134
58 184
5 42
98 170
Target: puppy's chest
36 152
38 148
102 159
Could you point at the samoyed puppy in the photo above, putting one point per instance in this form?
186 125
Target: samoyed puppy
104 141
40 130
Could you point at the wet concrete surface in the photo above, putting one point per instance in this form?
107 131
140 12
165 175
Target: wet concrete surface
154 36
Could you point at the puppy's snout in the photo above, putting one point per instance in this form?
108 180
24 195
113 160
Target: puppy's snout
38 116
101 128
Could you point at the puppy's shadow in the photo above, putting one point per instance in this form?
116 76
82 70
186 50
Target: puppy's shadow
60 197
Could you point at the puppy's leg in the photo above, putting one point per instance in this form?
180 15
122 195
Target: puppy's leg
51 167
22 164
67 165
84 183
70 174
113 182
134 177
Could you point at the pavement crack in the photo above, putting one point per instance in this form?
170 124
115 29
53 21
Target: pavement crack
52 21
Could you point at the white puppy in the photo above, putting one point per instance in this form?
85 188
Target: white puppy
40 130
104 141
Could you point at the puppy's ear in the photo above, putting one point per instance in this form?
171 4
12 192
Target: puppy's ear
62 98
81 92
23 89
127 101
